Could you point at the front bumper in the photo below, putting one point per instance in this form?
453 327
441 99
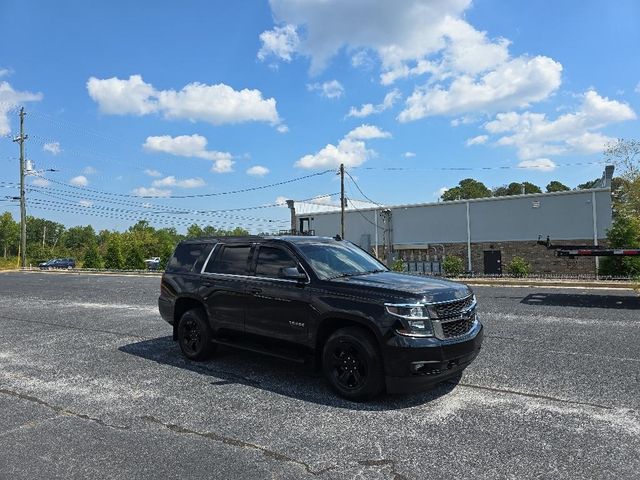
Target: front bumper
413 364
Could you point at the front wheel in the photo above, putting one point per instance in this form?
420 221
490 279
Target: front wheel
194 336
352 364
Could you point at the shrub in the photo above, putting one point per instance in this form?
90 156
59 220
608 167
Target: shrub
113 259
92 258
624 233
398 266
453 266
519 267
133 259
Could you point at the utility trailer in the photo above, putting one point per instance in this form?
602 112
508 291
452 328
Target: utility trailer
573 251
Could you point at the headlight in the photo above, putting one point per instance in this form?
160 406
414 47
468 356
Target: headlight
415 319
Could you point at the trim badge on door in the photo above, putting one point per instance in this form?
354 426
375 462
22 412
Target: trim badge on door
296 324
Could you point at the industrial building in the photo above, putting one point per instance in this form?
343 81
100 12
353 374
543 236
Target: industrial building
487 232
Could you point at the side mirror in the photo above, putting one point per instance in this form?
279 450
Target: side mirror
292 273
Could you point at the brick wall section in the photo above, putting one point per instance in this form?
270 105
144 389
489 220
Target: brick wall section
541 259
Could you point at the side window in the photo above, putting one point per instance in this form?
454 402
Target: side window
185 256
271 260
232 259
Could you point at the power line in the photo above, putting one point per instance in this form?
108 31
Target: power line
464 169
360 190
199 195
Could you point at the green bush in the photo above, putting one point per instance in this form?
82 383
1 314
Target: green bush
398 266
624 233
519 267
133 259
453 266
113 259
92 258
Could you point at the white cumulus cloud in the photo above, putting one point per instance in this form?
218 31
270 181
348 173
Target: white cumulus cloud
194 146
172 181
409 154
11 99
466 70
369 108
352 151
479 140
52 147
517 83
281 42
152 173
41 182
151 192
79 181
542 164
216 104
330 89
257 171
534 135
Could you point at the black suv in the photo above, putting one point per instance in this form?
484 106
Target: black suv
320 299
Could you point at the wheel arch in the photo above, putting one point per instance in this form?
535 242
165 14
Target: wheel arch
182 305
330 324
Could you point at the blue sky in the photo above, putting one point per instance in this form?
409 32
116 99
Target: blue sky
212 96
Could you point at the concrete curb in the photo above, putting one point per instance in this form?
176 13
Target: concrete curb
514 282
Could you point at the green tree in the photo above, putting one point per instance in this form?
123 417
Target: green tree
9 234
76 239
194 231
556 186
466 189
92 257
515 188
624 233
589 185
113 259
133 258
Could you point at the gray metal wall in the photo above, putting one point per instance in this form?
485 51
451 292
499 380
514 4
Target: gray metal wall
563 216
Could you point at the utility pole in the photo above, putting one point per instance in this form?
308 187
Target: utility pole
23 212
44 235
342 200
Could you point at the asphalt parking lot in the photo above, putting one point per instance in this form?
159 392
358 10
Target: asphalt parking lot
91 386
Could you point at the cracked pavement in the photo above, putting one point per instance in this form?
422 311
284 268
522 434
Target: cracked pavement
91 385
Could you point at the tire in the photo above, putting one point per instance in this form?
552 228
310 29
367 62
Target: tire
194 336
352 364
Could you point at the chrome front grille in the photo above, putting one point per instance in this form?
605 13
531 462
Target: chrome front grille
457 328
453 309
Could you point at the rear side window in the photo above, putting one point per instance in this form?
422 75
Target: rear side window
231 259
187 256
271 260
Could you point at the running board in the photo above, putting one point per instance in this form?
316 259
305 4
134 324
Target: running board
251 347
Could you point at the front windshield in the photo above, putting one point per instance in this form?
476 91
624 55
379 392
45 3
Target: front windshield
343 259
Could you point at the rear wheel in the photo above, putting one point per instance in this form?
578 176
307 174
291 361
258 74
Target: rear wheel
194 335
352 364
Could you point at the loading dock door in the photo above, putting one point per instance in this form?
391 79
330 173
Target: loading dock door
493 262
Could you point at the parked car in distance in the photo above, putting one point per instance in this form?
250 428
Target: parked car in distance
321 300
152 263
65 263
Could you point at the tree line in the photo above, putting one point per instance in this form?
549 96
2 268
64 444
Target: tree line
104 249
470 188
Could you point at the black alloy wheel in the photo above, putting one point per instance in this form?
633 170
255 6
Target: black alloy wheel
194 336
352 364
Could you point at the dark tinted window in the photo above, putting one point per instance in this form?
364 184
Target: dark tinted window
232 259
186 256
271 260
